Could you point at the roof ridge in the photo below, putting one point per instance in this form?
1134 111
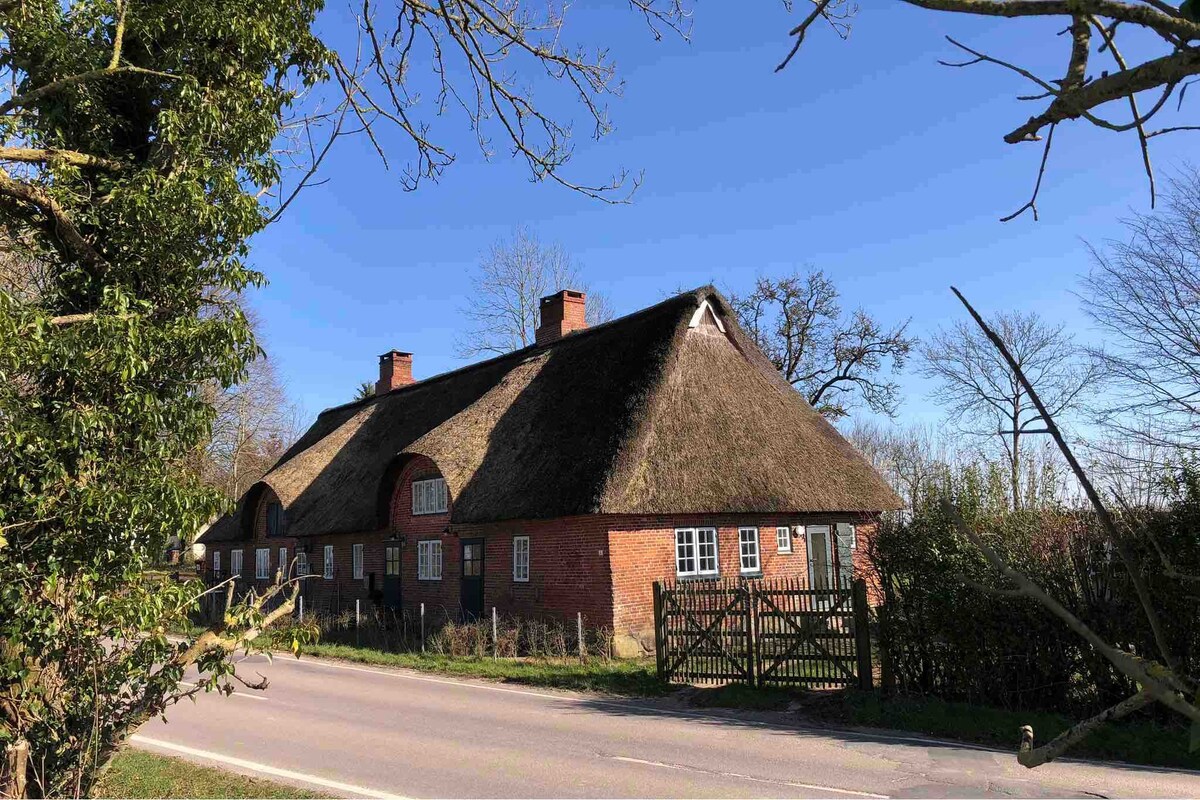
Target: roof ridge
528 350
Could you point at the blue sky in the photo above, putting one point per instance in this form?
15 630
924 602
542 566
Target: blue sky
864 158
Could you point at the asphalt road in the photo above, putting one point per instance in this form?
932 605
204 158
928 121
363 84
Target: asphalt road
353 731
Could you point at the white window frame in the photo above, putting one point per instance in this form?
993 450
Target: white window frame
429 560
429 496
328 573
783 539
262 563
301 562
748 546
216 563
283 562
521 559
356 560
235 562
702 552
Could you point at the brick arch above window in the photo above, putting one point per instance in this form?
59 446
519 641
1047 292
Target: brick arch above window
269 516
409 470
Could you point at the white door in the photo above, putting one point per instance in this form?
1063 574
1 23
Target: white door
820 565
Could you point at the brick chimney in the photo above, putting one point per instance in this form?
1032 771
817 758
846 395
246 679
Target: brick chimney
561 313
395 370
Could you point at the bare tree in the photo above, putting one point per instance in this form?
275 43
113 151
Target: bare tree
837 362
1159 676
1143 293
512 277
255 423
1140 81
984 395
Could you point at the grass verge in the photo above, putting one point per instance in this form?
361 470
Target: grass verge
138 774
634 677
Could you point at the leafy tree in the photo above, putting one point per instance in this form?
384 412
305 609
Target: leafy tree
365 391
838 362
512 278
135 152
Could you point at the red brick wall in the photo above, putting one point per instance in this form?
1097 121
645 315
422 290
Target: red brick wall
643 551
601 566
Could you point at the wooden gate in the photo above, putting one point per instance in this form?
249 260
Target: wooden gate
778 633
702 632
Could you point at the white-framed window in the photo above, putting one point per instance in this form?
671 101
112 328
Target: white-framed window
429 496
783 539
235 562
301 562
262 563
521 559
847 535
748 550
429 560
216 564
328 562
695 551
356 559
283 562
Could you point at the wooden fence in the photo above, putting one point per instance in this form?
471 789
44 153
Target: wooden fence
760 633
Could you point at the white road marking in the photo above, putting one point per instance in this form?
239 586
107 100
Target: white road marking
815 786
248 696
265 769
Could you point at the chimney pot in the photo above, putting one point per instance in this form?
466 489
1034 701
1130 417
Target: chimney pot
562 313
395 370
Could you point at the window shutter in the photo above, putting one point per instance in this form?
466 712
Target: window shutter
845 551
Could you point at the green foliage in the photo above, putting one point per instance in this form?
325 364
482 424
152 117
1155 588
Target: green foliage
950 639
99 366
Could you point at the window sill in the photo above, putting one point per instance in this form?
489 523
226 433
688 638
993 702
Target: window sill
430 580
714 576
756 574
430 513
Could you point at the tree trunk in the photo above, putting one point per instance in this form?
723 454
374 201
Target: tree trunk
16 767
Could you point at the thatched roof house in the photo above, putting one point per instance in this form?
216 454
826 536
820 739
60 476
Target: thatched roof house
672 410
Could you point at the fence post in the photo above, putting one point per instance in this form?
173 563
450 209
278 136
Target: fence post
660 631
862 635
579 629
422 627
357 623
751 637
302 608
495 636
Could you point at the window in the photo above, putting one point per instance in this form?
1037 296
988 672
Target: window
391 560
328 562
301 562
235 562
429 560
748 549
274 519
783 539
695 551
283 562
429 496
216 564
262 563
521 559
356 560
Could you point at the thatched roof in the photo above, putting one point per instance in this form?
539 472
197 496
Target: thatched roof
642 415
